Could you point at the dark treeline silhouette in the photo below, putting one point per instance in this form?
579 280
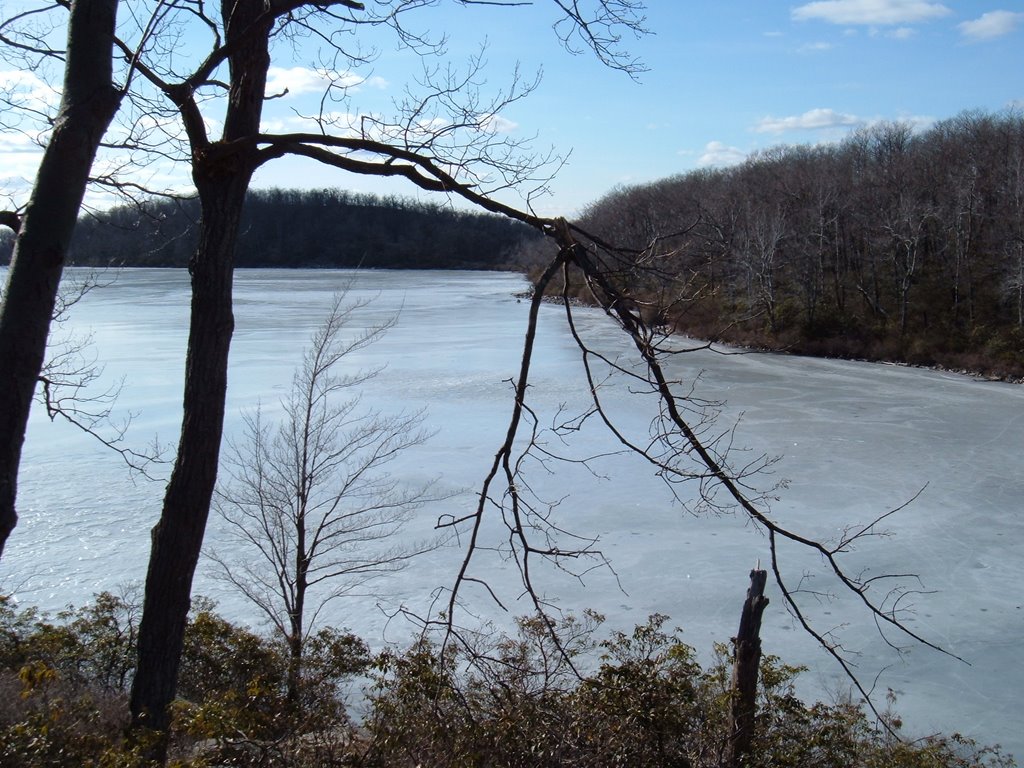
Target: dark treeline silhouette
303 228
890 245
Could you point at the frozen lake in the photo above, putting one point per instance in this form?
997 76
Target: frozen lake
855 440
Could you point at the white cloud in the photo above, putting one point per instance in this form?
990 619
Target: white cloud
869 12
27 83
718 154
990 25
294 80
917 123
26 90
299 80
815 47
498 124
14 141
426 127
903 33
812 120
345 124
19 158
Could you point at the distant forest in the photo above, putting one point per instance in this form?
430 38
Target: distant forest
891 245
293 228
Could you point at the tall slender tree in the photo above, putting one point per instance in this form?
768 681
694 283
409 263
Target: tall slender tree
88 104
309 497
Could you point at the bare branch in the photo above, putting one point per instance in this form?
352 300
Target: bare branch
601 30
11 219
68 380
310 497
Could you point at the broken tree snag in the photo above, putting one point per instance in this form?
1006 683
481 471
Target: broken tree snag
746 659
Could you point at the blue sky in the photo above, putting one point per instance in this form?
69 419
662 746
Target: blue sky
729 78
725 79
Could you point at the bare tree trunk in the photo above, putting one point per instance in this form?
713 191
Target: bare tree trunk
747 659
296 619
88 105
221 172
1020 286
178 536
295 661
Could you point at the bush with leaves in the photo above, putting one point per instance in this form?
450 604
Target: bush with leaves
641 706
233 693
544 696
64 686
528 700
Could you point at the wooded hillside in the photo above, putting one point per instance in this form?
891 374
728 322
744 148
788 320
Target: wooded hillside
890 245
304 228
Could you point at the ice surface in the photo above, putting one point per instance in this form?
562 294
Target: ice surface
855 439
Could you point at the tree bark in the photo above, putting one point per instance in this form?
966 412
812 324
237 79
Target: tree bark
88 105
747 659
178 536
221 172
297 617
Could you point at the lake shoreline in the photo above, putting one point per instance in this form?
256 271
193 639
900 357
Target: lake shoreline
977 375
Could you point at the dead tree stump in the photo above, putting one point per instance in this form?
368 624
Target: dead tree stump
746 660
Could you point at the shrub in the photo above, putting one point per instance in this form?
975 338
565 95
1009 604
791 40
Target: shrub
64 685
522 701
547 695
233 696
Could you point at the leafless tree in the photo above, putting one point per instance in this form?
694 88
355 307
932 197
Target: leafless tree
684 447
758 252
441 140
309 497
1013 197
89 99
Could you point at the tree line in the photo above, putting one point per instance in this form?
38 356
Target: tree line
892 244
302 228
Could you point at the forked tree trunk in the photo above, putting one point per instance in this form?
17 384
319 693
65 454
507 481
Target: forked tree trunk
88 105
221 172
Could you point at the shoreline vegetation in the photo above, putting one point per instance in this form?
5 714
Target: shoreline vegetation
510 699
738 348
893 246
